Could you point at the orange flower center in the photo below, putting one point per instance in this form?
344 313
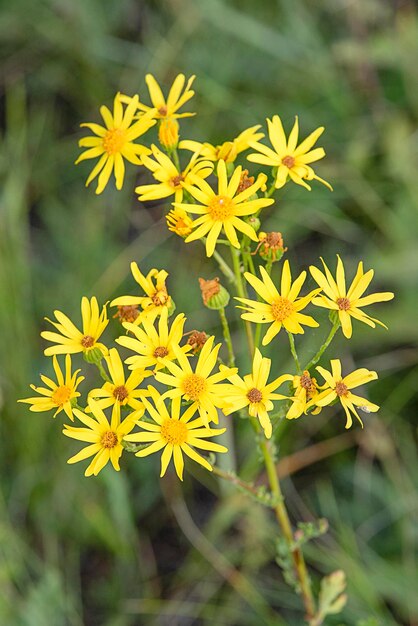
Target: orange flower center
61 395
176 180
254 395
174 432
288 161
220 208
162 111
282 309
160 297
120 393
343 304
127 312
114 140
341 389
109 439
160 352
194 386
87 341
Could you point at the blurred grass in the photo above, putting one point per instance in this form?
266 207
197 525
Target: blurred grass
109 551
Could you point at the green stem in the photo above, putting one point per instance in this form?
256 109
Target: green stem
241 292
227 337
294 353
103 372
223 265
270 192
324 346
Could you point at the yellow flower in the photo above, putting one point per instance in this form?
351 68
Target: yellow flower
114 142
105 438
168 133
156 299
282 309
59 394
289 158
229 150
254 392
306 389
198 386
171 180
120 390
347 303
162 108
179 222
175 432
340 388
223 209
154 346
69 339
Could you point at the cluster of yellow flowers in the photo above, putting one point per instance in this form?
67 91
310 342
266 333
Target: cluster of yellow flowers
178 383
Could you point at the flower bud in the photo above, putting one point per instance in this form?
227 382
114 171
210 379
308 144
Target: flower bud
271 246
197 339
94 355
168 133
214 295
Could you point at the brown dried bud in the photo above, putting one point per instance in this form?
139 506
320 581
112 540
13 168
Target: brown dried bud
127 313
214 295
197 339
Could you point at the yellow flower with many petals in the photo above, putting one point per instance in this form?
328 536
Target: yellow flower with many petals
306 390
340 388
198 385
347 302
179 222
114 142
154 346
57 395
280 309
105 438
69 339
223 209
119 389
156 299
254 392
164 108
289 158
171 180
176 432
229 150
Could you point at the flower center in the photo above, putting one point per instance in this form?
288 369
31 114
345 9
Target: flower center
61 395
87 341
282 309
114 140
220 208
120 393
194 386
160 352
254 395
305 380
160 297
341 389
127 313
288 161
174 432
109 439
176 180
162 110
343 304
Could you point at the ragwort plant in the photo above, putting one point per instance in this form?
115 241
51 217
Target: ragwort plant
178 386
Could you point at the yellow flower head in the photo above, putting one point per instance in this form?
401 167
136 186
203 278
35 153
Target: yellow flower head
156 298
114 142
154 346
175 433
339 388
105 438
119 389
348 304
166 108
280 309
69 339
171 180
198 385
223 209
227 151
254 392
289 158
179 222
57 395
306 389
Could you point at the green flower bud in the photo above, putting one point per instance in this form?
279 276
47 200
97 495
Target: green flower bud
214 295
94 355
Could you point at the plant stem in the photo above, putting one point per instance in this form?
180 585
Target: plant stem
324 346
227 337
241 292
223 265
294 353
103 372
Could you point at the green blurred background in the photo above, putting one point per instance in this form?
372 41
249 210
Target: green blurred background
128 549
